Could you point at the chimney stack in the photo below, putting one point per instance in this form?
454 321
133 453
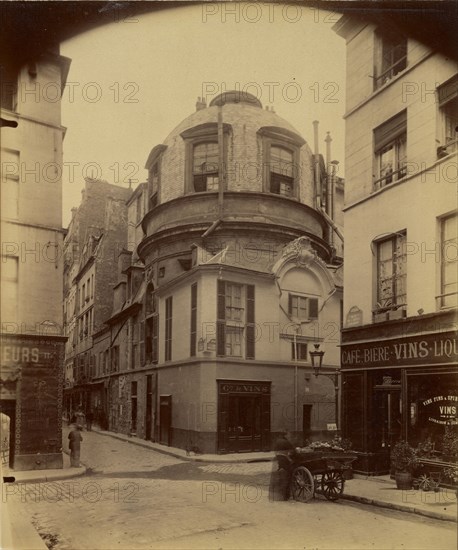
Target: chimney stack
200 104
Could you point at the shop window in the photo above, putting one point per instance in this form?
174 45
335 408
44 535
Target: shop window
301 348
302 307
448 117
281 159
391 274
193 344
168 328
449 261
390 141
202 170
390 56
235 315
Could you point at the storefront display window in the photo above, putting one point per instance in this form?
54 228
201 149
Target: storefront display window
432 409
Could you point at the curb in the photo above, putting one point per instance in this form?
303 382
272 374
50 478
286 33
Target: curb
168 452
398 507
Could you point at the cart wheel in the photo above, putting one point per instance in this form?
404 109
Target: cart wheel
302 484
332 485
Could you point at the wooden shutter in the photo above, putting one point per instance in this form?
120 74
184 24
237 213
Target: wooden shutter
155 339
313 308
250 326
290 304
221 316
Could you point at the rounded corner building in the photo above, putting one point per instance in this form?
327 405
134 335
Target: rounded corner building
242 277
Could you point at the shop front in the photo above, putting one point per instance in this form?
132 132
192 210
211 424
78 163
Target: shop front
243 416
399 381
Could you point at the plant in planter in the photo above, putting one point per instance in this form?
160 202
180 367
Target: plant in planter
403 460
450 444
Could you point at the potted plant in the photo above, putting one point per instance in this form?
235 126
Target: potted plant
403 460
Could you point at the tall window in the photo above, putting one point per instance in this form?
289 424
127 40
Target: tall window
448 111
193 320
449 261
9 270
281 171
390 56
205 166
151 326
391 273
390 150
10 183
115 359
153 185
168 328
302 307
235 326
134 409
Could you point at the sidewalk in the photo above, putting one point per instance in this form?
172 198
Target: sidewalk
17 533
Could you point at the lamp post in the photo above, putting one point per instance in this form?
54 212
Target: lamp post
317 362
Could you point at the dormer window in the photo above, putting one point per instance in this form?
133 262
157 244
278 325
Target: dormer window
390 56
153 165
205 166
281 159
202 170
281 171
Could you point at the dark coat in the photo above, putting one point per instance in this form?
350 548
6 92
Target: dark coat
75 438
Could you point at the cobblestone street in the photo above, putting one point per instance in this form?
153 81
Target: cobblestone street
134 497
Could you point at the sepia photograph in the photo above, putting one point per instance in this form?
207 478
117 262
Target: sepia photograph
229 275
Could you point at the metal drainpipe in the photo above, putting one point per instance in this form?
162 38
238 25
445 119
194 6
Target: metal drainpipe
221 161
221 174
316 159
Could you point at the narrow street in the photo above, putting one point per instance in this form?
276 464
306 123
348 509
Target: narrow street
133 497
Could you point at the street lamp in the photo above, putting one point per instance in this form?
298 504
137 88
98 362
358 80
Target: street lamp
317 362
317 359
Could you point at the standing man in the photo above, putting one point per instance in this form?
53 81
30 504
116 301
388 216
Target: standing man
89 419
74 444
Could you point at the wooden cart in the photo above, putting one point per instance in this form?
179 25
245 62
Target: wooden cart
317 471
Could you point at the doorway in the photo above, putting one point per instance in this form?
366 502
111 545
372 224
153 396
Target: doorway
165 419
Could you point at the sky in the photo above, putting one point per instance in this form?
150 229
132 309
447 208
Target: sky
131 82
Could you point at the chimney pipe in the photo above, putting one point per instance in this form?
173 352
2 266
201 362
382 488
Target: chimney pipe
316 159
328 140
200 104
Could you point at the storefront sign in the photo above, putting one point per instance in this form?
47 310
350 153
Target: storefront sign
427 349
244 387
442 409
35 367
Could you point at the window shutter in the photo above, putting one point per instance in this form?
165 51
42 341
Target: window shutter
448 91
313 308
221 308
290 304
221 338
155 338
390 130
250 328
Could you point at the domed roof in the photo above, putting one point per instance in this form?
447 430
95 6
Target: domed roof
236 96
238 107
